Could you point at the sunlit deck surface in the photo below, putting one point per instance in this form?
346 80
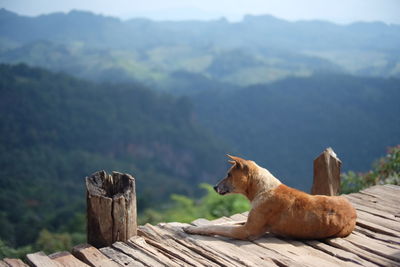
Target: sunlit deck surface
375 242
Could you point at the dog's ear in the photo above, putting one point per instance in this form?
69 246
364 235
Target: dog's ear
240 163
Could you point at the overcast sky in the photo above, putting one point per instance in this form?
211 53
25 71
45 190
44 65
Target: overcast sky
339 11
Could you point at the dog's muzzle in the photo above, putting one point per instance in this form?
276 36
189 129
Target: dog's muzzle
220 190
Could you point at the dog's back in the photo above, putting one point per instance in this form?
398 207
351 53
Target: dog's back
300 215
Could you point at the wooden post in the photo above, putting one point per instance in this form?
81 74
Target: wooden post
326 174
111 208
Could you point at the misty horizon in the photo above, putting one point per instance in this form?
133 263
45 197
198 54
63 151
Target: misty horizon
306 10
222 18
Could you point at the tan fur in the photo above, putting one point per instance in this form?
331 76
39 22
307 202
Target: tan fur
280 209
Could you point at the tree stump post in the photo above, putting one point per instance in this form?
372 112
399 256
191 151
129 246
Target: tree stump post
111 208
326 174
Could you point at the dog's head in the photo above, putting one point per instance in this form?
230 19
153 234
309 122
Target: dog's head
237 178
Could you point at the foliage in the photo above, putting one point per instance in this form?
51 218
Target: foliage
9 252
55 130
52 242
386 170
284 125
210 206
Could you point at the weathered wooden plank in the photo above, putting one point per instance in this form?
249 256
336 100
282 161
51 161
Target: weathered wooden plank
326 174
376 228
387 223
385 238
221 220
277 258
3 264
236 252
371 203
92 256
120 258
163 241
67 259
374 211
382 192
319 255
15 262
394 188
382 201
239 218
266 255
301 248
389 244
139 255
223 251
164 237
200 221
375 246
339 253
304 249
182 240
300 253
140 244
375 199
362 253
40 259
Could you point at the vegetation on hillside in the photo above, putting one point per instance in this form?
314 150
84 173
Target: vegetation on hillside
257 50
209 206
385 170
55 130
283 126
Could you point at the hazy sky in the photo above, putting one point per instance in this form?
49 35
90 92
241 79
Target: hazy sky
340 11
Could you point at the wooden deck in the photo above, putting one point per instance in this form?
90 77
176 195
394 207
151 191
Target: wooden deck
375 242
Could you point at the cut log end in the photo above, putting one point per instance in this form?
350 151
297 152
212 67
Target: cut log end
111 208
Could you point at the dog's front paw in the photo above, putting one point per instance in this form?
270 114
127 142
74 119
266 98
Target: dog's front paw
191 230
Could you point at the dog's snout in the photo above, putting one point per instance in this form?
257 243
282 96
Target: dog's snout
216 188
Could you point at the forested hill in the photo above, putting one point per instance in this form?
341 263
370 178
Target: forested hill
286 124
55 130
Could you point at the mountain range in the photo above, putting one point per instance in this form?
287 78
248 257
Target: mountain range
258 49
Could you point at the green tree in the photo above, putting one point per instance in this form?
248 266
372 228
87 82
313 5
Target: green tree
386 170
52 242
9 252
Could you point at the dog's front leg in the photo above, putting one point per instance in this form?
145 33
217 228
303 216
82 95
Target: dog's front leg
254 227
232 231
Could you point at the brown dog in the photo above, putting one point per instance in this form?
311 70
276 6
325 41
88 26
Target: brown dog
279 209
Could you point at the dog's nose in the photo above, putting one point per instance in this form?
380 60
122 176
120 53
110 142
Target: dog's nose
216 188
